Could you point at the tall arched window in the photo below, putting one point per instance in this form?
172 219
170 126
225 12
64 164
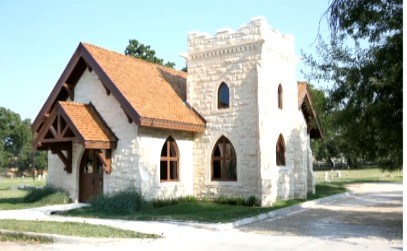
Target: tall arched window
280 151
169 161
223 96
223 161
280 97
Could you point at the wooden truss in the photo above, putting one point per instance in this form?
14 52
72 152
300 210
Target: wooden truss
58 134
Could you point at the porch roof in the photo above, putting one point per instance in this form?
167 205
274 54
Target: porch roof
76 122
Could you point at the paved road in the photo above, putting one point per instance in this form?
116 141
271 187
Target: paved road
369 219
373 213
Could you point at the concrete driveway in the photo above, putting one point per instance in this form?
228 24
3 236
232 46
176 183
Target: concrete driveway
372 215
369 219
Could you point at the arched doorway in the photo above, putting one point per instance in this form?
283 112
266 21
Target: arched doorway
90 176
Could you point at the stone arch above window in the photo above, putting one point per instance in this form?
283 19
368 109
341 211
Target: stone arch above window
223 96
223 161
169 161
280 151
280 97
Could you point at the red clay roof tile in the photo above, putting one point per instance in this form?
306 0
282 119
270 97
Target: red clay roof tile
87 121
157 93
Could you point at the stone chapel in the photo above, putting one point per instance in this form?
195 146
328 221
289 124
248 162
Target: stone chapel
237 124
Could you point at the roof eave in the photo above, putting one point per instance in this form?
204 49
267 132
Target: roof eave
172 125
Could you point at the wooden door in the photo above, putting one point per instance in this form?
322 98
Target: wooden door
90 176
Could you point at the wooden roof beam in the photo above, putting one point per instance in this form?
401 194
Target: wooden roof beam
70 90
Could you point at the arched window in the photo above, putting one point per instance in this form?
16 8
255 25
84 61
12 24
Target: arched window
223 161
169 162
280 97
223 96
280 151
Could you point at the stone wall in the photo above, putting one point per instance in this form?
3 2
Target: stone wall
125 157
151 142
253 61
57 177
228 57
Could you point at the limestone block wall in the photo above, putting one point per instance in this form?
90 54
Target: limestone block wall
57 177
125 157
229 57
151 142
311 179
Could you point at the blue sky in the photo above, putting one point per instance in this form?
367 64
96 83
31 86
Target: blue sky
37 38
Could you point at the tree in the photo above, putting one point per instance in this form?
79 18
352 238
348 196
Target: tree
15 142
11 132
363 60
139 50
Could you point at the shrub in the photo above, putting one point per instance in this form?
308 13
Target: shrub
47 195
172 201
238 201
128 200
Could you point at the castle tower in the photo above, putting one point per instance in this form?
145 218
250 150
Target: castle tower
243 83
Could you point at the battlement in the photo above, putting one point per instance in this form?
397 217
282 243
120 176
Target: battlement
247 37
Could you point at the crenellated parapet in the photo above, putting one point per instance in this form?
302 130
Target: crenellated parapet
249 38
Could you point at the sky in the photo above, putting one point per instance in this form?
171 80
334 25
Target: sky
38 37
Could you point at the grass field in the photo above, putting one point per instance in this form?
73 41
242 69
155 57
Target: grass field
11 197
24 238
71 229
360 175
13 183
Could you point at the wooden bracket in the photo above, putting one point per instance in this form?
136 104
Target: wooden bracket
67 160
105 158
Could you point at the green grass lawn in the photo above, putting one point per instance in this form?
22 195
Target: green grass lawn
201 211
24 238
360 175
71 229
13 183
11 197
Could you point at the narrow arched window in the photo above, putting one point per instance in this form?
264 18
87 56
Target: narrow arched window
169 161
280 151
223 96
223 161
280 97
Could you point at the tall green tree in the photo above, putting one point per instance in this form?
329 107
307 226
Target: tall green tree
139 50
15 142
363 60
12 134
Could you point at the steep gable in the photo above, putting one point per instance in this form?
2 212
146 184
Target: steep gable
306 106
149 94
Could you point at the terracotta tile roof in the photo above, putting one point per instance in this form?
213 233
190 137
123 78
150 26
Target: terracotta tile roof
87 121
305 98
302 91
155 92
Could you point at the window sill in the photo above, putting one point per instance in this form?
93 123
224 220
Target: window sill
170 184
225 183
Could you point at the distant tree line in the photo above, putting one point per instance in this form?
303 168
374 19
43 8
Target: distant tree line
16 150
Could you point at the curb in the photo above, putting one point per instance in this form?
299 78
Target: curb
287 210
266 216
